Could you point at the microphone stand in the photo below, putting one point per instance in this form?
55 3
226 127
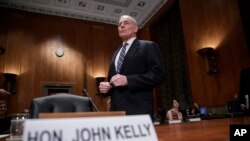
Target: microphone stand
92 102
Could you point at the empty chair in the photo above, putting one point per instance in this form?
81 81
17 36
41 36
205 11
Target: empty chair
60 102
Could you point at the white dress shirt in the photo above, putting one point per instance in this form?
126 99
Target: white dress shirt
130 41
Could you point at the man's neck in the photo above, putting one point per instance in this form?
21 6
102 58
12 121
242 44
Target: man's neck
126 40
130 41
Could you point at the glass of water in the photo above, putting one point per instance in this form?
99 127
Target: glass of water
16 127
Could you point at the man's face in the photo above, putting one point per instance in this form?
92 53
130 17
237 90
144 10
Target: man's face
3 109
127 28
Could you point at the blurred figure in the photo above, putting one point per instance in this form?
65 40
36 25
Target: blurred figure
4 120
244 87
161 114
196 109
174 113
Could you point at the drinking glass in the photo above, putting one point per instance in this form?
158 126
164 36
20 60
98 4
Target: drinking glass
16 127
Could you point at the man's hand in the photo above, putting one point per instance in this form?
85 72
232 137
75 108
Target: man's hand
119 80
3 92
104 87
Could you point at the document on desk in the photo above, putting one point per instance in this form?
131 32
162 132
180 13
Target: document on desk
118 128
4 135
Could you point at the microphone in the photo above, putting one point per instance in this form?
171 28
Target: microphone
92 102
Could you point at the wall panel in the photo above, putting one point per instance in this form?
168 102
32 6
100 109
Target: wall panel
215 24
31 39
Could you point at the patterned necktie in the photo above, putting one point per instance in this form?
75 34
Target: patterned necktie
121 58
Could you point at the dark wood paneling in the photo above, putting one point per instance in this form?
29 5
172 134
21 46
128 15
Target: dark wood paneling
31 39
217 24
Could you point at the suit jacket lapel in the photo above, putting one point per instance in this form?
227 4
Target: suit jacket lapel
130 55
114 56
112 65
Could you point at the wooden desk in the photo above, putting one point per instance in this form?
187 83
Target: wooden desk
205 130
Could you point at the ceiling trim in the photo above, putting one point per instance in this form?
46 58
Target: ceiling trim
104 11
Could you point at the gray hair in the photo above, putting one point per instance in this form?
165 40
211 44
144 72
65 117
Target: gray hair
130 17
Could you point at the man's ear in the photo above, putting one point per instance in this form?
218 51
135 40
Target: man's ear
136 29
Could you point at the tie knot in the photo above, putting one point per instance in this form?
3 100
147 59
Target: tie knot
124 45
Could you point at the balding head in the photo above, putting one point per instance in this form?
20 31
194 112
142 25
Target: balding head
132 19
127 27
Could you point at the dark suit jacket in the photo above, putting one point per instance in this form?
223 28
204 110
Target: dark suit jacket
244 84
144 69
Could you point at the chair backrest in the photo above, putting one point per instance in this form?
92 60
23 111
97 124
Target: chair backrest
60 102
81 114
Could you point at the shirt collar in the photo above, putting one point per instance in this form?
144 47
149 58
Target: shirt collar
130 41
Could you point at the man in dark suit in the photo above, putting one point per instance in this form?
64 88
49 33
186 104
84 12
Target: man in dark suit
244 88
131 81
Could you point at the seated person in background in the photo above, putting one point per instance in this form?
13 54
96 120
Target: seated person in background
174 113
196 109
244 87
4 120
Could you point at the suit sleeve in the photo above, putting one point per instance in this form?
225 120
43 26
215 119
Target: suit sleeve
155 70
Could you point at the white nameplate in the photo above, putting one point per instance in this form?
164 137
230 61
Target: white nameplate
194 119
117 128
175 121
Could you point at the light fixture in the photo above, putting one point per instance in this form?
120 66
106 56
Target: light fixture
10 82
210 56
98 81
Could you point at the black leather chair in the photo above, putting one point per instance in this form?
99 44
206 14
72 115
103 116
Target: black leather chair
60 102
